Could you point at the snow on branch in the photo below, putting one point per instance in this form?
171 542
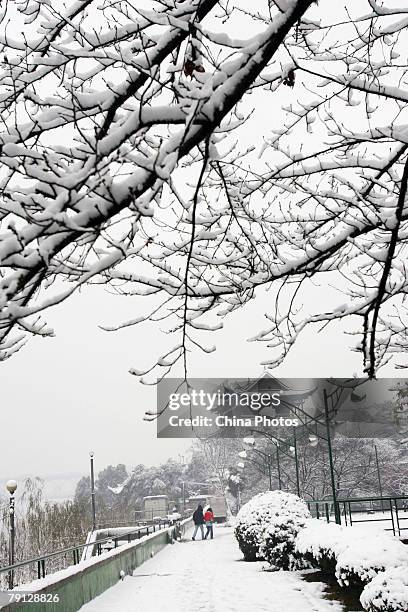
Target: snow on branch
195 153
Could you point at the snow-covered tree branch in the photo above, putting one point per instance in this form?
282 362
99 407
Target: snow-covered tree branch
131 155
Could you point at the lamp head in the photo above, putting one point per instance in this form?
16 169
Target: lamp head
11 486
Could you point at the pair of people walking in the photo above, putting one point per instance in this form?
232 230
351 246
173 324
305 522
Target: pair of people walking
201 518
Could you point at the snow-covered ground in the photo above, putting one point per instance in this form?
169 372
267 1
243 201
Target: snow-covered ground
383 520
210 576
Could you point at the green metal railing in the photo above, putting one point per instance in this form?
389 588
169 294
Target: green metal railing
350 510
37 567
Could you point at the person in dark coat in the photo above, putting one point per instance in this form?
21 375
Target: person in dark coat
209 521
198 519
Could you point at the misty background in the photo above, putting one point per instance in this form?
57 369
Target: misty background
65 396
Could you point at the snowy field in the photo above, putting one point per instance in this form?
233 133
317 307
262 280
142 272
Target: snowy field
382 520
210 576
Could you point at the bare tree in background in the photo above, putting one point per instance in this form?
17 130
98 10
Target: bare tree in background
131 157
43 527
355 469
218 456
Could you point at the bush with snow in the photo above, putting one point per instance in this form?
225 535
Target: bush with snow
266 527
387 592
355 554
278 542
320 544
368 552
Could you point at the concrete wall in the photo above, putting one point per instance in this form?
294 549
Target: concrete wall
80 584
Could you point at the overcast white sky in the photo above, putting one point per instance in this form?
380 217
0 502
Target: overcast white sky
64 396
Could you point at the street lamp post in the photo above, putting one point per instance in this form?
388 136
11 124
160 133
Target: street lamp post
331 462
296 461
269 471
183 484
267 460
91 455
11 487
379 476
278 468
240 467
314 439
289 451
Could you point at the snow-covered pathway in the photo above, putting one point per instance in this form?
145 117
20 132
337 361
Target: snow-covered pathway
210 576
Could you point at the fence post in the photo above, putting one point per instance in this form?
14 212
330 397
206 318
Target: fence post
397 516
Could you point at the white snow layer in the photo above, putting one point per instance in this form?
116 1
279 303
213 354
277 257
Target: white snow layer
387 591
358 551
209 576
266 509
368 553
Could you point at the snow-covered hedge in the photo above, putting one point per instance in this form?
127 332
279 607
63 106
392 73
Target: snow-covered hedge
278 541
368 552
267 526
320 544
355 554
387 592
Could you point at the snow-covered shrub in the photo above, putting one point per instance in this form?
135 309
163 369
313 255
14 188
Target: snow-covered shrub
355 554
270 520
367 552
387 592
320 543
250 523
278 542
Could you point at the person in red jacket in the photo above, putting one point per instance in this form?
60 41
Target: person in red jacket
209 521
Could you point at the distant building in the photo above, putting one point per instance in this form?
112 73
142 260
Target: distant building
155 507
